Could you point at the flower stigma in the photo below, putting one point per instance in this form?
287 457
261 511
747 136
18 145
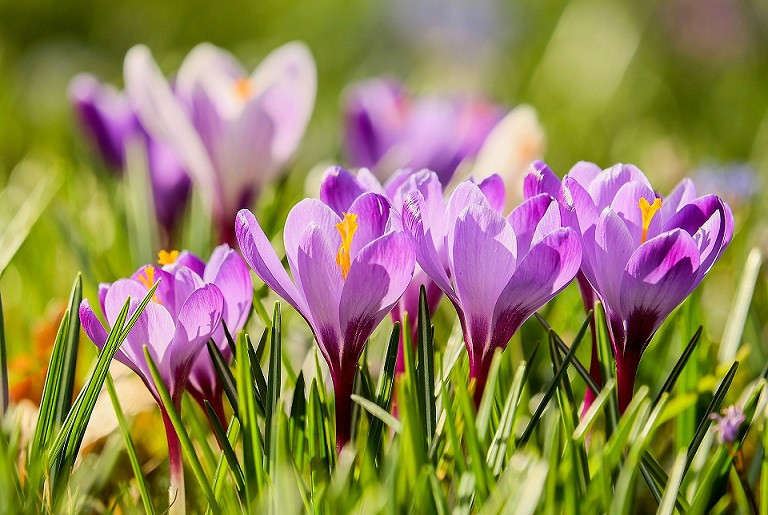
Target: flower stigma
243 88
147 278
165 257
648 210
346 228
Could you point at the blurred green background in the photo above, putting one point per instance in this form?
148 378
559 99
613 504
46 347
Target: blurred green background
669 86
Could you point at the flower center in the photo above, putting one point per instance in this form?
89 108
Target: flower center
243 88
147 278
165 257
648 210
346 228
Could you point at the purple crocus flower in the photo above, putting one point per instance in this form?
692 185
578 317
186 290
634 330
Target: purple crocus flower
233 131
496 271
228 272
107 117
385 129
184 313
340 188
643 253
348 273
728 424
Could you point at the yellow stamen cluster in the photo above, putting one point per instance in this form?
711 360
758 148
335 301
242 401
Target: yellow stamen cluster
346 228
165 257
148 279
244 88
648 210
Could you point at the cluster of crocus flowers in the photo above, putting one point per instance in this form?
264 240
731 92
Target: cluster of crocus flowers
109 120
348 272
385 129
643 254
341 188
188 307
497 271
233 131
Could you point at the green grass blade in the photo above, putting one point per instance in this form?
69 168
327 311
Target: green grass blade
72 430
426 351
225 376
252 449
667 505
498 447
482 475
122 424
577 365
25 217
44 426
226 447
737 316
680 365
375 410
384 391
550 391
273 387
589 418
186 443
259 381
233 432
713 407
69 354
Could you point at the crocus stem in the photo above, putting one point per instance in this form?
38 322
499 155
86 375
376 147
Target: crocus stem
343 383
478 370
176 490
588 297
626 370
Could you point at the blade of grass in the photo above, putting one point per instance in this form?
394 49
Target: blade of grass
226 447
252 450
680 365
225 376
233 432
122 424
498 447
426 350
19 227
381 415
186 443
667 505
550 391
737 315
72 430
273 387
714 406
69 354
384 391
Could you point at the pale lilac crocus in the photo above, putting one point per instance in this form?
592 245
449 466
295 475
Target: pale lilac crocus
728 423
228 272
234 131
496 271
183 314
348 272
385 129
643 253
340 188
109 120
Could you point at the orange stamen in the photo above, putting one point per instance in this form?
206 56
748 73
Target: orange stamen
148 279
165 257
346 228
244 88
